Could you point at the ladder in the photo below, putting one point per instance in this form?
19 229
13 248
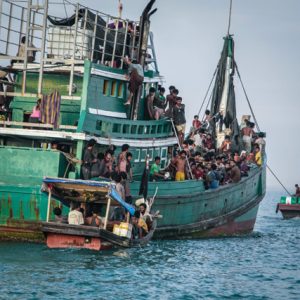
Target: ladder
34 6
153 55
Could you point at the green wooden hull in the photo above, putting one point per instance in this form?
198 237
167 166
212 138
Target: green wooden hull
188 210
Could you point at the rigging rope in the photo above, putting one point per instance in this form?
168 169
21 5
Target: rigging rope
252 112
65 8
208 90
278 180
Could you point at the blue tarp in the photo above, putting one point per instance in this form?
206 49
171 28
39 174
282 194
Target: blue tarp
116 196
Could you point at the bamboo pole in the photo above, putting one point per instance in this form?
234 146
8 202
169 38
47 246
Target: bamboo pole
107 212
49 202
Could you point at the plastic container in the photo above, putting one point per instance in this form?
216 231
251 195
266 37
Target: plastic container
125 230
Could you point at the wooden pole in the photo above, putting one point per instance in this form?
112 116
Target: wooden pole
49 202
107 212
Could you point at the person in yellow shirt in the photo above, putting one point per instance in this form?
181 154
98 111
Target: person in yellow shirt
258 158
140 226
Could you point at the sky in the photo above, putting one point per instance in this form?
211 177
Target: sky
188 37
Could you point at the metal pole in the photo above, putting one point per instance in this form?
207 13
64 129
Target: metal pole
107 212
115 44
74 50
8 27
104 42
26 46
49 203
44 31
94 39
229 19
83 34
124 45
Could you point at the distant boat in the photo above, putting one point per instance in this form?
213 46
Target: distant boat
61 235
289 206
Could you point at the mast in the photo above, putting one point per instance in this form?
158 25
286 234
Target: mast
143 45
223 105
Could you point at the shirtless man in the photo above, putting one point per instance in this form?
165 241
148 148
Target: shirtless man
180 166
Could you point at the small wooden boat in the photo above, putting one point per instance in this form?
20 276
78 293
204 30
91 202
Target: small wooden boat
61 235
289 207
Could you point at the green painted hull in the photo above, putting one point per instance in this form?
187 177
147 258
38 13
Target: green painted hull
188 210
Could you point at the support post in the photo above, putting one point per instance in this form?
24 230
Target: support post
107 212
49 204
74 51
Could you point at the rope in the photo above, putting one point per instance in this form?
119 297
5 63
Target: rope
252 112
208 90
278 180
229 19
65 8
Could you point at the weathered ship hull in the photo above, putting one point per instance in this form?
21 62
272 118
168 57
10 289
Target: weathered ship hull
189 211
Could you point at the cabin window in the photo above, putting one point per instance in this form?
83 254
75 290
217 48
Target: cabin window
143 155
120 90
105 87
113 90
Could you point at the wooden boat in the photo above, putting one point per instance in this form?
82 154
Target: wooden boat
93 93
289 207
61 235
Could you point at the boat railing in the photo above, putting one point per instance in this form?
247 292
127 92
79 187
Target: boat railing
123 128
62 43
28 125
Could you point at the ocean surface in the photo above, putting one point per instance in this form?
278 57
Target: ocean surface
263 265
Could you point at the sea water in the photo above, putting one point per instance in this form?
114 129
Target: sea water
262 265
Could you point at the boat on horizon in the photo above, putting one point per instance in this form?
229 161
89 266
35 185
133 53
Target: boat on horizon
289 206
82 62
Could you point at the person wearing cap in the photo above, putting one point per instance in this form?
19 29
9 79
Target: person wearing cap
135 77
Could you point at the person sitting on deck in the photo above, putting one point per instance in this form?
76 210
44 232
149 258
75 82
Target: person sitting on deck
59 218
93 220
235 173
140 228
135 77
155 174
226 145
36 113
213 176
144 214
75 216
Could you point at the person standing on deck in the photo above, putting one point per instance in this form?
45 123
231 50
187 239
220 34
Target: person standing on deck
135 77
180 164
258 158
171 100
30 53
247 133
179 119
297 192
88 160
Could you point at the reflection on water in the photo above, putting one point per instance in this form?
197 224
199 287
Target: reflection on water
262 265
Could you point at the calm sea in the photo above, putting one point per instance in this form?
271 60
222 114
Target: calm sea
263 265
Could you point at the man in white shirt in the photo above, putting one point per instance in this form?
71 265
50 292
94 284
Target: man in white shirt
75 217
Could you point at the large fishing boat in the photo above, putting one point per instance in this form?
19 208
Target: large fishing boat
76 65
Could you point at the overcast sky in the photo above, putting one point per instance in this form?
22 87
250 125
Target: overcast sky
188 37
